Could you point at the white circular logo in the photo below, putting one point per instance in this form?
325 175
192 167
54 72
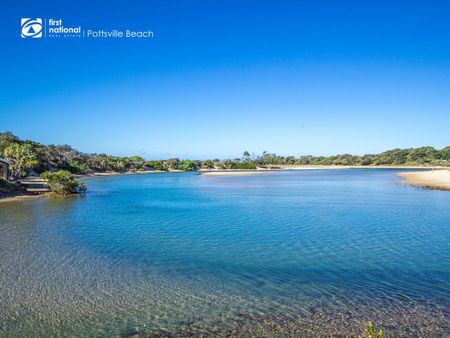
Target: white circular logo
31 28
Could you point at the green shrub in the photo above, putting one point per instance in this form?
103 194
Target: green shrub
8 188
188 165
208 164
371 332
63 182
245 165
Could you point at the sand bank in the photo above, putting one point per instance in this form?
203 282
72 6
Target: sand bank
236 173
23 197
320 166
113 173
433 179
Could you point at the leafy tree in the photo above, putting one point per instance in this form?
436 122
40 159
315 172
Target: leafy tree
157 165
208 164
63 182
366 160
245 165
173 163
64 157
137 159
445 154
229 164
188 165
6 139
21 157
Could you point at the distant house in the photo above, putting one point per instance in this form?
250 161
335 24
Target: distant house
4 169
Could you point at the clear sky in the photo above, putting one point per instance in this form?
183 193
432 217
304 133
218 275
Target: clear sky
221 77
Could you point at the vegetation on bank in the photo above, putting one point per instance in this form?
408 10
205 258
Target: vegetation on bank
26 156
10 189
21 158
63 182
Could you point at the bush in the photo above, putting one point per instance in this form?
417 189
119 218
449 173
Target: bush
63 183
371 332
188 165
208 164
245 165
8 188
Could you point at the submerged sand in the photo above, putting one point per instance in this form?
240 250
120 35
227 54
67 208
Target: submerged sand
24 197
434 179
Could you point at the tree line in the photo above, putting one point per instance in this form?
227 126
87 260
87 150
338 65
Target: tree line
25 156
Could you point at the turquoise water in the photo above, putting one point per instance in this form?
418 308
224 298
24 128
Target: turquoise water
295 253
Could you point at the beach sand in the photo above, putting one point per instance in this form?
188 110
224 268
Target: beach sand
114 173
236 173
433 179
24 197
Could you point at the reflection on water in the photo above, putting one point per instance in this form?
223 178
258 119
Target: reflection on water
293 253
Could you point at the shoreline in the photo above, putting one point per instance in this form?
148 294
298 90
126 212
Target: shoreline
430 179
436 178
275 168
114 173
320 166
21 197
237 173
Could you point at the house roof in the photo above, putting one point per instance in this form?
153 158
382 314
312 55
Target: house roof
3 160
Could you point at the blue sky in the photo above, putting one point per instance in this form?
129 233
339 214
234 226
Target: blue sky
221 77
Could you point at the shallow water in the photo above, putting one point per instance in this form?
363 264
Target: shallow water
295 253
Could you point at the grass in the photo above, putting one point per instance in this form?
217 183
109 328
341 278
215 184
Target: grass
371 332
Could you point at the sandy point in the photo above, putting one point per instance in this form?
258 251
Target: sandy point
431 179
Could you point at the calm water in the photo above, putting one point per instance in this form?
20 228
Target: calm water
296 253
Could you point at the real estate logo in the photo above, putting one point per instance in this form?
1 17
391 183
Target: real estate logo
56 28
31 28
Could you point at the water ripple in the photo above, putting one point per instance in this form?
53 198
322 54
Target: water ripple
290 254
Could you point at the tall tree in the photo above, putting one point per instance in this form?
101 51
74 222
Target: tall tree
6 139
21 157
